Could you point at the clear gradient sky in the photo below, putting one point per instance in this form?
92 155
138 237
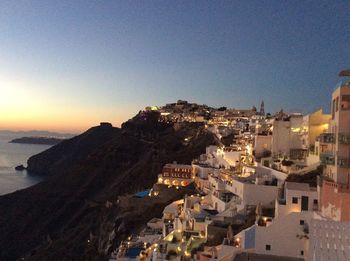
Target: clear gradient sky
67 65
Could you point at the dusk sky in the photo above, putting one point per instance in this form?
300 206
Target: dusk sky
67 65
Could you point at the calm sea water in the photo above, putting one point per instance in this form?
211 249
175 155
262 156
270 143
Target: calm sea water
12 155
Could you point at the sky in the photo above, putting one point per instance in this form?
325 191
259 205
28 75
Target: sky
68 65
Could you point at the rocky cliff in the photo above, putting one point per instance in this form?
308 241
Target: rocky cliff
76 214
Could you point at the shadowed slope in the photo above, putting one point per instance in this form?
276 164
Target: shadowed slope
56 217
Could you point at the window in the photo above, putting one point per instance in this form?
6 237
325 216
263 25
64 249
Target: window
294 200
301 222
315 201
345 102
333 109
302 252
268 247
337 104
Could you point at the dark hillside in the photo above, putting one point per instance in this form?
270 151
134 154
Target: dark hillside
70 152
56 218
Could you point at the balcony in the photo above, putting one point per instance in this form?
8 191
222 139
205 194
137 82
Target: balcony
344 138
327 158
343 162
327 138
281 201
223 196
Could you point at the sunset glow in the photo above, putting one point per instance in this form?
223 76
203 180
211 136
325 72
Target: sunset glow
24 108
68 65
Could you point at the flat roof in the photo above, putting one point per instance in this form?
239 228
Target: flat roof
298 186
175 165
261 257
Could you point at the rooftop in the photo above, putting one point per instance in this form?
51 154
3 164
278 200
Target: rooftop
298 186
175 165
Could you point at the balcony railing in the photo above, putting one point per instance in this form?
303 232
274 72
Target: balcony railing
327 158
343 162
327 138
344 138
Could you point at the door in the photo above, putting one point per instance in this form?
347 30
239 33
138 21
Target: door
304 203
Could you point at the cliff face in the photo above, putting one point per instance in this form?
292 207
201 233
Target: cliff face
86 174
71 152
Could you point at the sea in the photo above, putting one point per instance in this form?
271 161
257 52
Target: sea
12 155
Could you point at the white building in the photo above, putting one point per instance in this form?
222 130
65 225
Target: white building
262 145
229 190
286 135
287 233
222 158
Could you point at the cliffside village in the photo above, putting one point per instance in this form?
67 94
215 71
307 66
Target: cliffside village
245 209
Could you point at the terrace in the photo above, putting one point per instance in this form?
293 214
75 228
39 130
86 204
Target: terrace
343 162
344 138
327 158
327 138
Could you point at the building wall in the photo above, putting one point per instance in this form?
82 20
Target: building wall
313 125
289 207
255 194
340 123
201 171
236 188
281 176
232 157
286 135
335 203
281 137
202 184
285 236
252 194
261 144
219 205
177 171
335 196
216 183
176 175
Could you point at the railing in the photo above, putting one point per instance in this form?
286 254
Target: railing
327 138
344 138
327 158
343 162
